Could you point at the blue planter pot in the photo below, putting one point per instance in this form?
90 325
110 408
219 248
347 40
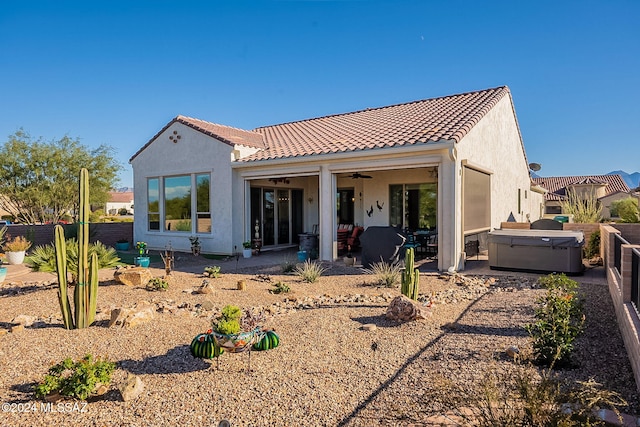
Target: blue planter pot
3 274
124 246
142 261
302 256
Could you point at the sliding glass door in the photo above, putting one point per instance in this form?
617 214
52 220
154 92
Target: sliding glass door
278 213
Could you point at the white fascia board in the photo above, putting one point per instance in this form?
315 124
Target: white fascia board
369 159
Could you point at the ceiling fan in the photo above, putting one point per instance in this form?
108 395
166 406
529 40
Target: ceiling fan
357 175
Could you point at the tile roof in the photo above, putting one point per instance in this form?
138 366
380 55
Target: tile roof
227 134
557 185
418 122
120 196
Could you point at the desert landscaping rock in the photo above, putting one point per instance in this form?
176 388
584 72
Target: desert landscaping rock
136 276
132 388
403 309
326 371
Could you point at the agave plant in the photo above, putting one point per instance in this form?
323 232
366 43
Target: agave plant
43 258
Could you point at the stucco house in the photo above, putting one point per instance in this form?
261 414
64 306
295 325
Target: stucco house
119 200
455 164
605 188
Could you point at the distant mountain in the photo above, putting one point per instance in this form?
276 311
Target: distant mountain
124 189
632 180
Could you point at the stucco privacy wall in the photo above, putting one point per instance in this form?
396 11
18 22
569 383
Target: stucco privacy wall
195 152
495 145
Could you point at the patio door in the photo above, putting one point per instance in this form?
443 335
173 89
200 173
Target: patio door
278 212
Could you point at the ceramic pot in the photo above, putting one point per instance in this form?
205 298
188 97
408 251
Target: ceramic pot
122 246
247 253
142 261
15 258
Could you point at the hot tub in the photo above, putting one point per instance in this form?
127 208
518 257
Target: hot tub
551 251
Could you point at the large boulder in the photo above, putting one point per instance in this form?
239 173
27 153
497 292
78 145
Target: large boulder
133 276
403 309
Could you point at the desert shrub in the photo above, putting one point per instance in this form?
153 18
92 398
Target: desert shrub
593 245
386 274
560 320
521 396
626 209
76 379
585 208
157 284
310 271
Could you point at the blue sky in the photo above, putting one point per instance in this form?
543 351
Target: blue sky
115 72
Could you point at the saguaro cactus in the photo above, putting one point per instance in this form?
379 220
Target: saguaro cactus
410 276
86 291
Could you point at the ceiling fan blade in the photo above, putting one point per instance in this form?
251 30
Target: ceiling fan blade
357 175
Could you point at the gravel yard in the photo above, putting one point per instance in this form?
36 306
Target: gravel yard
327 369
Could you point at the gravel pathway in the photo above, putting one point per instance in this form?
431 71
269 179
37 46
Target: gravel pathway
327 371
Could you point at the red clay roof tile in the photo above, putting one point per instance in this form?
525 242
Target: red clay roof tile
418 122
557 185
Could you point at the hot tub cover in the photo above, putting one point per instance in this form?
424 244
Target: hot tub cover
555 238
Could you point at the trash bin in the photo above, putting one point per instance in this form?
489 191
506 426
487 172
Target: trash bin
309 244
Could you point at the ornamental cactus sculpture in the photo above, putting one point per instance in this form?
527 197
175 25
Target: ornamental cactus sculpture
86 290
410 276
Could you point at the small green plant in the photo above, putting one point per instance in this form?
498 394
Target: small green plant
212 271
560 320
228 323
288 265
280 288
157 284
247 244
76 379
386 274
309 271
141 247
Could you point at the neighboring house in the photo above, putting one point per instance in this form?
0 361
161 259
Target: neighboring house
455 164
606 189
119 200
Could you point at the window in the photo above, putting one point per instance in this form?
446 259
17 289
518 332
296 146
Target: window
413 206
177 203
181 196
203 211
153 203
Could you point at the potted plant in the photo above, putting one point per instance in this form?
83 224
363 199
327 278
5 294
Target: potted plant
122 245
246 251
235 330
15 249
142 259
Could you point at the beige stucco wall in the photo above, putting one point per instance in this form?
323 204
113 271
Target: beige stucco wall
194 153
494 145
